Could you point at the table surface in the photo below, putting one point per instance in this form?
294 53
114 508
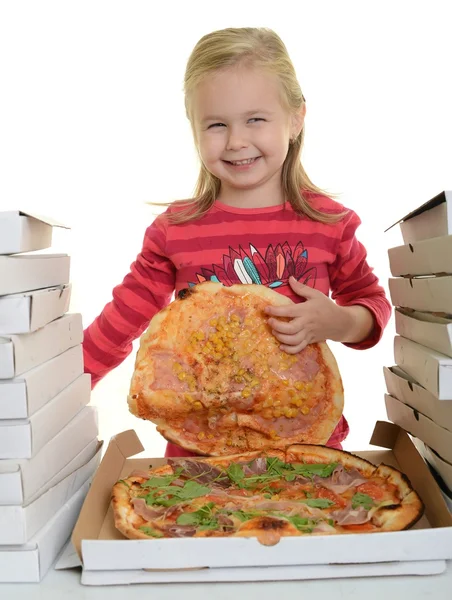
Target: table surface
58 585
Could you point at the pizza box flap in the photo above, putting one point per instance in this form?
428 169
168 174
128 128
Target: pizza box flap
436 201
389 435
33 215
121 446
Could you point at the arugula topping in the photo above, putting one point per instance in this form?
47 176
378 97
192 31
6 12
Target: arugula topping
318 502
302 524
290 471
155 482
124 482
319 469
276 466
245 516
151 532
168 495
236 474
202 518
362 500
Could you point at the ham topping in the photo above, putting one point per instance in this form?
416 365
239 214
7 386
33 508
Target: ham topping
145 511
258 466
340 480
204 473
181 531
323 527
350 516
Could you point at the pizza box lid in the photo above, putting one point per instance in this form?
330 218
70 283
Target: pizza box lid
101 547
23 231
431 219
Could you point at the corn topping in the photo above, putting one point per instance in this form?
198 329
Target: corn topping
226 342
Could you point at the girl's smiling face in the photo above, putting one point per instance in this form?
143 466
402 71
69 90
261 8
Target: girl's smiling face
242 127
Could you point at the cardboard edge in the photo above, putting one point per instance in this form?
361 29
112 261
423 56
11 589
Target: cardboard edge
97 501
435 201
415 469
385 434
43 219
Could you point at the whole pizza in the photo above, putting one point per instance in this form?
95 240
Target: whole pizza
211 375
307 490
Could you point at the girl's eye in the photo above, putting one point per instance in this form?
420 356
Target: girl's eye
256 119
216 125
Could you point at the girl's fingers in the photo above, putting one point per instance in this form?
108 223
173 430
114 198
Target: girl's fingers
289 328
295 349
290 340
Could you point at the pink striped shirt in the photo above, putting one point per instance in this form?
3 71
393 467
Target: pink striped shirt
236 245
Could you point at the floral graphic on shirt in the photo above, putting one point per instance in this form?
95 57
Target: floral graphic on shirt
251 267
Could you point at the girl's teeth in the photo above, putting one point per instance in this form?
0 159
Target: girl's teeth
243 162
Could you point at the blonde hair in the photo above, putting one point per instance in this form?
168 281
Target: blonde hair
254 47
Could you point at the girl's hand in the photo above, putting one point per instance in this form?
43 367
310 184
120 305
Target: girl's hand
316 320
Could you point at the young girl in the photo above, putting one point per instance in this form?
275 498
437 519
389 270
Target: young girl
256 217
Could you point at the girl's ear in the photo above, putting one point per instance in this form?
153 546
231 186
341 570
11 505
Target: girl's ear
298 121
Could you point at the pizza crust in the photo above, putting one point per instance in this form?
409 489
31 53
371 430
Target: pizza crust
214 404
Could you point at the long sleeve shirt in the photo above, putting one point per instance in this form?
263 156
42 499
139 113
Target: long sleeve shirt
237 245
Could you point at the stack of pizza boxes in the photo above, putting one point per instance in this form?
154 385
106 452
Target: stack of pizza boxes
48 434
419 387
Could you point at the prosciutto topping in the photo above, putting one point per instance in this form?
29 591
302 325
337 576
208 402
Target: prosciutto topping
340 480
181 531
204 473
143 510
351 516
258 466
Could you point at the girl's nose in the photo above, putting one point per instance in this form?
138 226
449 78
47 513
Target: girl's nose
236 141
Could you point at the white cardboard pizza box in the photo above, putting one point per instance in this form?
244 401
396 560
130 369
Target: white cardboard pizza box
28 563
101 547
26 312
280 573
432 219
426 257
425 328
20 353
22 231
25 272
440 465
406 389
418 425
23 438
19 523
25 479
429 294
431 369
22 396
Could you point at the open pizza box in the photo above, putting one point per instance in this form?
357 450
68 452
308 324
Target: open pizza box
108 558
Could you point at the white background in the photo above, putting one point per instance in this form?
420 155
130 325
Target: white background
92 127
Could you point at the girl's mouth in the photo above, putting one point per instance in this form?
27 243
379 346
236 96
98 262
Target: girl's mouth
244 164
